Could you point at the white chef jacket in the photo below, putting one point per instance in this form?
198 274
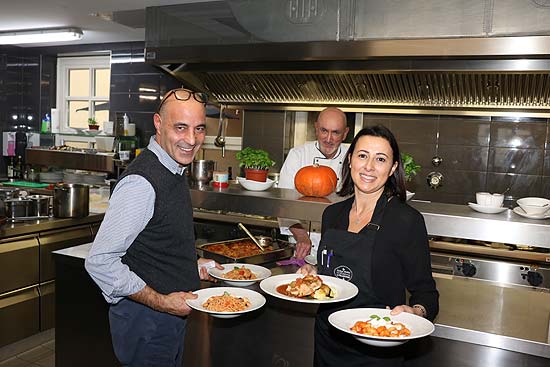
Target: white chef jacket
306 155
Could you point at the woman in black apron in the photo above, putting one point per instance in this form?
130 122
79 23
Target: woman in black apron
376 241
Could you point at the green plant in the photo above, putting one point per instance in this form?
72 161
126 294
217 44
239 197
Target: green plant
92 121
254 158
409 166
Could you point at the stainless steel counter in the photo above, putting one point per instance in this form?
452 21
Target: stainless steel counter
41 225
447 220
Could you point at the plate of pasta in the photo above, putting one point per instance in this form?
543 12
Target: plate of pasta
240 275
226 302
376 327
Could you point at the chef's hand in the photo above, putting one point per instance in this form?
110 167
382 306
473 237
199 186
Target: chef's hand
303 243
204 265
307 269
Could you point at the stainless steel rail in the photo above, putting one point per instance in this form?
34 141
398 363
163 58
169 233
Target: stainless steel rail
447 220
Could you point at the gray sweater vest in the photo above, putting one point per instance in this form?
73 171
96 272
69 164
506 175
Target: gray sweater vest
163 254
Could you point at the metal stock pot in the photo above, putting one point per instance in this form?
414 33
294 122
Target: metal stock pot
71 201
17 207
40 205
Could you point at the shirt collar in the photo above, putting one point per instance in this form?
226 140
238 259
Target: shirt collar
164 158
323 156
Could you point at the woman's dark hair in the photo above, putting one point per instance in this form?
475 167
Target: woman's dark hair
396 182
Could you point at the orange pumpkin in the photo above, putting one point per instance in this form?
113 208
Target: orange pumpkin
315 180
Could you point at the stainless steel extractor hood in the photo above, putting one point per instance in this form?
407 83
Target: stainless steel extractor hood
469 56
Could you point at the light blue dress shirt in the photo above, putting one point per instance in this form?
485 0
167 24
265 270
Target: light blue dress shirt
131 206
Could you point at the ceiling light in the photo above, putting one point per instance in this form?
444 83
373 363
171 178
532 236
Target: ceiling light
40 35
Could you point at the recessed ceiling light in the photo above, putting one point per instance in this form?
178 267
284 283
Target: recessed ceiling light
40 35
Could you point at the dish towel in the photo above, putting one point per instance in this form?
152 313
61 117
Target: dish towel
291 261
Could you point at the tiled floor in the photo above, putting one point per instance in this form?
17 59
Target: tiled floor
42 355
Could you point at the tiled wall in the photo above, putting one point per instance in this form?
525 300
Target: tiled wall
479 154
26 79
136 88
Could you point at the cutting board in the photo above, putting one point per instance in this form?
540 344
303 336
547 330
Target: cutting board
32 185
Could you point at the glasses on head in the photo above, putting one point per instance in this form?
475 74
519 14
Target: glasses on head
182 94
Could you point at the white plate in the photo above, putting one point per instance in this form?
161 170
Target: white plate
344 290
487 209
255 298
343 320
91 132
255 185
522 213
260 272
310 259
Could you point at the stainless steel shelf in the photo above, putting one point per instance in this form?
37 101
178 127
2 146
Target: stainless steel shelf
448 220
66 159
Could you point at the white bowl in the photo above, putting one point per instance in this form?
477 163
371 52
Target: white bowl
260 272
534 206
255 185
255 298
345 319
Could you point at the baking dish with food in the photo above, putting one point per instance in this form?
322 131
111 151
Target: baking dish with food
243 250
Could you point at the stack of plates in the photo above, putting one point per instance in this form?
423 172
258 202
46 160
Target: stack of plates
51 177
84 177
95 178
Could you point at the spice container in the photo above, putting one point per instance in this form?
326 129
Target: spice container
220 179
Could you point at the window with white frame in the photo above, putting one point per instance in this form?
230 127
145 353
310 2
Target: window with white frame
83 85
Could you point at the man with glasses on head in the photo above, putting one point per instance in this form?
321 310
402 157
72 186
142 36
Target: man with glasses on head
331 130
143 257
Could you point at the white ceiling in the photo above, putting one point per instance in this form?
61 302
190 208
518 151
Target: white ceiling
31 14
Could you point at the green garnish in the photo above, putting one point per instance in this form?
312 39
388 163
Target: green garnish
375 317
386 318
226 293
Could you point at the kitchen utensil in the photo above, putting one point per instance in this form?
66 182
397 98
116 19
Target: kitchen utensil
202 171
241 226
219 141
264 241
71 201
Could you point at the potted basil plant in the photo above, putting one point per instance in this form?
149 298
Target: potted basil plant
411 169
92 124
256 163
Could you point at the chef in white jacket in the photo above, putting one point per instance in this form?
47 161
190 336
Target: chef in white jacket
331 130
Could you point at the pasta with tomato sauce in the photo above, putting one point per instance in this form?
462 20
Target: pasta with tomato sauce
226 303
240 273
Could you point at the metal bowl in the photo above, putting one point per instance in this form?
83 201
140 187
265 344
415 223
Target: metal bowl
264 241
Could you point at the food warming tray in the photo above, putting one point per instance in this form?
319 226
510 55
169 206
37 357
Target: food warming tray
280 250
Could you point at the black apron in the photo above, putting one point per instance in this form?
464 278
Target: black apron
348 256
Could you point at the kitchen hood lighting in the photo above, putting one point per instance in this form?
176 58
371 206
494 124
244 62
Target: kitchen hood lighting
40 35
